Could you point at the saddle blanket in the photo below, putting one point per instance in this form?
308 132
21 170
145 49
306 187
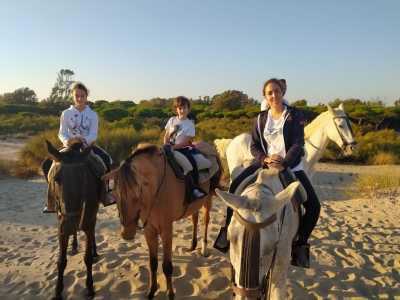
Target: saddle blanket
207 166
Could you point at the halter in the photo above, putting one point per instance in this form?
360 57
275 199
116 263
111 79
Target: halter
345 143
260 293
136 220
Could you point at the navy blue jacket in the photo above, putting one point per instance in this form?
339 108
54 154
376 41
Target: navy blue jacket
293 135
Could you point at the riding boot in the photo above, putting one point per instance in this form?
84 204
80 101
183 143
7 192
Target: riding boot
301 255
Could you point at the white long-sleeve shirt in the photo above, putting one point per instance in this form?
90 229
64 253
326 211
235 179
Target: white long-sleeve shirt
74 123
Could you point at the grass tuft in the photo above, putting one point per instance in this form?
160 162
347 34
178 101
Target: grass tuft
383 183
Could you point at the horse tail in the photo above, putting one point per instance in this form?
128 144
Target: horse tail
222 145
215 180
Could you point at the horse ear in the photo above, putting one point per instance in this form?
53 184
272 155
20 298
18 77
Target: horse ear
86 152
54 153
110 176
286 195
341 106
232 200
330 109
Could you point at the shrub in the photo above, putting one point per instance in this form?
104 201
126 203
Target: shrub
383 158
368 185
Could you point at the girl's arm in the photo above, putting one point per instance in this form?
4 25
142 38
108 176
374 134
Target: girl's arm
166 137
63 133
185 141
93 131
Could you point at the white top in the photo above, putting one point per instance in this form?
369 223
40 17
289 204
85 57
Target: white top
74 123
273 134
264 104
185 128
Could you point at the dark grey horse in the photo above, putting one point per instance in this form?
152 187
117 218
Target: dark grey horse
76 190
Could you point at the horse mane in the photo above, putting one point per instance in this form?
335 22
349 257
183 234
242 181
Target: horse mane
75 143
125 179
221 145
143 149
316 123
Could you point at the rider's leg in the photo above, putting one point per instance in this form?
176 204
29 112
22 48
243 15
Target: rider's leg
312 210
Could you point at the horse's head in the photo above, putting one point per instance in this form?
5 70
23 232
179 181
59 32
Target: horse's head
127 191
67 184
254 232
340 131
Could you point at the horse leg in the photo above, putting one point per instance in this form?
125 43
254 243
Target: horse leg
88 259
61 264
152 243
74 244
166 237
195 220
206 221
94 249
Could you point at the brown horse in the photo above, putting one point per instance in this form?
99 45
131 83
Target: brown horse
145 188
76 189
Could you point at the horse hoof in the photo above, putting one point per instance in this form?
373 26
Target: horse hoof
57 297
74 252
89 294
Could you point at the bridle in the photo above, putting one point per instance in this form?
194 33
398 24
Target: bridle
82 201
265 286
345 143
136 219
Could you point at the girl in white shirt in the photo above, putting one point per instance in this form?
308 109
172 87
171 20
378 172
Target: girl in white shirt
82 122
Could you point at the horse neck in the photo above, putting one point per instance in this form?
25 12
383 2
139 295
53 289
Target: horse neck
317 140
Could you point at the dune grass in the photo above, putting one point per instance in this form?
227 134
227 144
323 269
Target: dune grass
382 183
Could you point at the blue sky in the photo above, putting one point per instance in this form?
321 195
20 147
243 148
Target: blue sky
135 50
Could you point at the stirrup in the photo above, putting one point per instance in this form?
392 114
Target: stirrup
48 211
221 243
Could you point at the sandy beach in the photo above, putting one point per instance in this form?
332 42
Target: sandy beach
355 250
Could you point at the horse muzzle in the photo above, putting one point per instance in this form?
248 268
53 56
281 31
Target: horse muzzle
349 149
128 233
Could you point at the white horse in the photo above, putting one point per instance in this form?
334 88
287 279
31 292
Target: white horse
261 234
330 125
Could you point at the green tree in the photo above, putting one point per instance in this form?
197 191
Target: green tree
114 114
20 96
302 102
231 100
61 92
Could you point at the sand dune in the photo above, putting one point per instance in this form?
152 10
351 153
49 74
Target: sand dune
355 249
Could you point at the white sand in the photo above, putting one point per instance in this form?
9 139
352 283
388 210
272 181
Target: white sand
355 248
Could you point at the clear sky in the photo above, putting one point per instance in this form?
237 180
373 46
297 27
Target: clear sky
135 50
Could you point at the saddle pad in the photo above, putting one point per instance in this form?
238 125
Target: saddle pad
201 161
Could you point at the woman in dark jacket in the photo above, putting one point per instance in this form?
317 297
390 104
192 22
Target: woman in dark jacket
277 142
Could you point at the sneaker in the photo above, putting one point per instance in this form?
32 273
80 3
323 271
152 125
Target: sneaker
198 194
111 199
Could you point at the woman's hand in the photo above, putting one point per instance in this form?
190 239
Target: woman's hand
274 162
276 166
275 159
